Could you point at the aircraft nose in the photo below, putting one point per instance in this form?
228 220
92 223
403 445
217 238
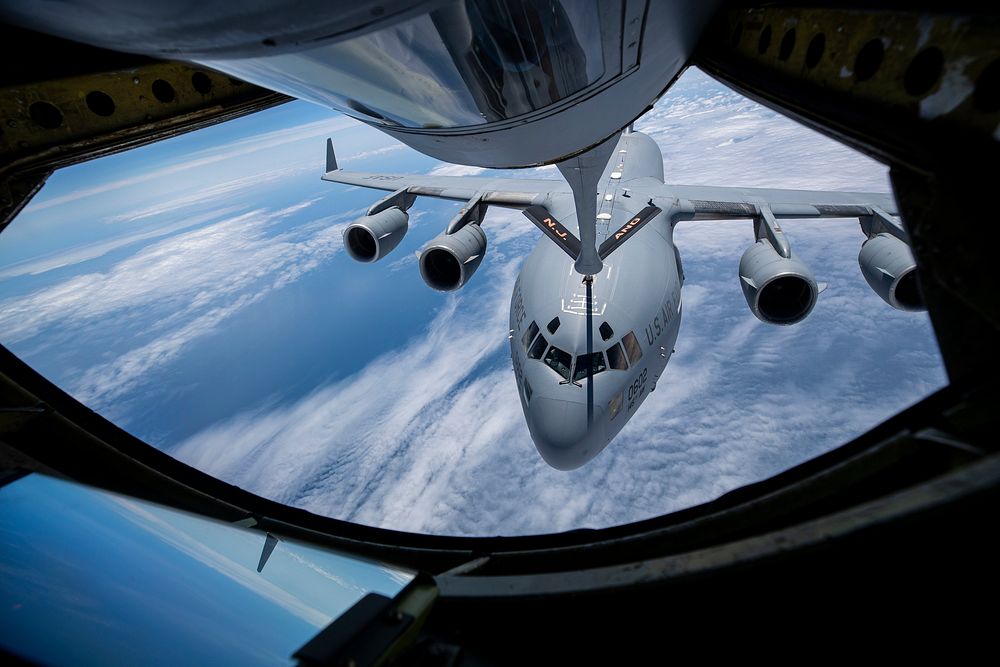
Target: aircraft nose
560 432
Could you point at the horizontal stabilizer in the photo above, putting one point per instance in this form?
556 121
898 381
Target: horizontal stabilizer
626 231
331 157
554 229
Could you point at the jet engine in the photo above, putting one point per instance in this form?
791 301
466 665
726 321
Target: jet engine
449 260
372 237
891 271
779 290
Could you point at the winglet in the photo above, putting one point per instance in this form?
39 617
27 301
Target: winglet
331 158
269 543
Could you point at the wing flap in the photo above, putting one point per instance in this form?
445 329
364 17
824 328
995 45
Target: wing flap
717 203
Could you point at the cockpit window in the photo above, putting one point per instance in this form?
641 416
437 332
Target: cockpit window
553 325
606 331
632 347
538 348
559 361
616 358
529 335
595 361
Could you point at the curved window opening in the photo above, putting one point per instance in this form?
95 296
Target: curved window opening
559 360
616 358
632 347
529 335
327 349
595 361
553 325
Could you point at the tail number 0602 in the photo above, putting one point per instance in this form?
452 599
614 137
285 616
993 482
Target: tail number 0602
635 389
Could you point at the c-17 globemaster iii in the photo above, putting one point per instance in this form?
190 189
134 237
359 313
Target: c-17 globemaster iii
597 306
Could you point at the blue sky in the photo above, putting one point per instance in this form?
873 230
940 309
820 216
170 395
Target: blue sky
196 292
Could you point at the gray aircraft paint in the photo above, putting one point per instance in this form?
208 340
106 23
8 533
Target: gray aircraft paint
637 291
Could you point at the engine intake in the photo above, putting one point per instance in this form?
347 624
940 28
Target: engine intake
891 272
778 290
449 261
372 237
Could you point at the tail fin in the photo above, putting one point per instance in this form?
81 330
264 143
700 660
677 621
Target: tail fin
331 158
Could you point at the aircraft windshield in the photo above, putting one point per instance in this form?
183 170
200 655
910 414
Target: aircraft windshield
616 358
632 347
559 361
529 335
538 348
467 63
595 361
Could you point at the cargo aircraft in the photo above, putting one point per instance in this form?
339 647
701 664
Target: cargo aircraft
597 306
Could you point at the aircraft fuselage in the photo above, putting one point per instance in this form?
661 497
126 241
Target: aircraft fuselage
635 313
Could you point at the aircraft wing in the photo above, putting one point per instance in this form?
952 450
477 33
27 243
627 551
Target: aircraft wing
508 192
717 203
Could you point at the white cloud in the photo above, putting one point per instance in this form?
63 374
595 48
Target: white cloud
316 440
206 157
97 249
456 170
230 189
193 281
377 151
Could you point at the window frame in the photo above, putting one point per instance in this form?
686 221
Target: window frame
569 366
525 340
545 346
624 356
596 354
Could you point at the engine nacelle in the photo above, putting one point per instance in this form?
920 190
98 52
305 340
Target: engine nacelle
779 290
372 237
449 260
891 272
